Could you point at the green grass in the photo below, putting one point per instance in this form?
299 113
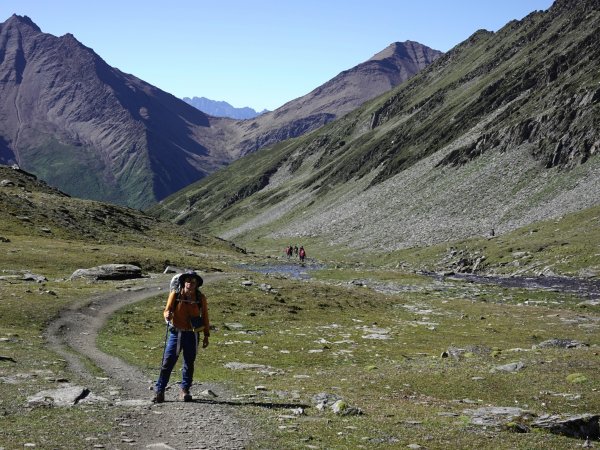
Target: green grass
313 336
26 307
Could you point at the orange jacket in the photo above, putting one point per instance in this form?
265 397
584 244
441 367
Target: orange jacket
182 311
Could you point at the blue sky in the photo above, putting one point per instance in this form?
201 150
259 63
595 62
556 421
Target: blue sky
258 53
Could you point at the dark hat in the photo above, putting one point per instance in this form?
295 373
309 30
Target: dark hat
188 274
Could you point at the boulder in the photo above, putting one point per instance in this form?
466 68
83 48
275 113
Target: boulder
561 343
511 367
341 408
584 426
109 272
496 415
173 269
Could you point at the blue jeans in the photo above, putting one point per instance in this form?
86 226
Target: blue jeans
176 342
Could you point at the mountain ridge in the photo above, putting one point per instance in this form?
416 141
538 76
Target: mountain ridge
220 108
499 132
99 133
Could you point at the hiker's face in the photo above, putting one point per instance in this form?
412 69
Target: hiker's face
190 281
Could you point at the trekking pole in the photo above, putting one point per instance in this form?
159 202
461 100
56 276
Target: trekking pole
162 360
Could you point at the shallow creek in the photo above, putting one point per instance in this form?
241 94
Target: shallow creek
587 289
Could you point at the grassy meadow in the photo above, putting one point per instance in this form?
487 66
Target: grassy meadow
372 334
383 354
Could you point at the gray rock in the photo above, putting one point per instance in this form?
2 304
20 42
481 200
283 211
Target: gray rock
33 277
325 398
511 367
173 269
561 343
109 272
246 366
378 337
342 408
496 415
208 393
584 426
70 395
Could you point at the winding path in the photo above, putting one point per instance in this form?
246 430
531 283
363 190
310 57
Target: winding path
199 424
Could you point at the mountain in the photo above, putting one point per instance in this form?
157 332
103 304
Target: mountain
221 109
340 95
30 207
98 133
500 132
91 129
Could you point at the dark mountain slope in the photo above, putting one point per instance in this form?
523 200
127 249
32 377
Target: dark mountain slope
500 132
91 129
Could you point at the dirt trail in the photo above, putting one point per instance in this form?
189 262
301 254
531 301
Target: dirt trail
199 424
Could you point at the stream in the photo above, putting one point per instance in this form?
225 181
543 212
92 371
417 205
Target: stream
297 270
587 289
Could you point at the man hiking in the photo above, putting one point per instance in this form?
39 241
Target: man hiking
186 313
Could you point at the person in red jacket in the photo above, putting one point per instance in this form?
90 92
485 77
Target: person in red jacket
302 253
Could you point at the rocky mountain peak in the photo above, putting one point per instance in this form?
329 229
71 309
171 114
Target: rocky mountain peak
20 21
401 50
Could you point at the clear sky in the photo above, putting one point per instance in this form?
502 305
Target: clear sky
258 53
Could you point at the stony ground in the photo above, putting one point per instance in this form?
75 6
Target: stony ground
205 423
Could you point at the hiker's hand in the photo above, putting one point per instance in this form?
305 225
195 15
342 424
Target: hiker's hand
167 315
205 342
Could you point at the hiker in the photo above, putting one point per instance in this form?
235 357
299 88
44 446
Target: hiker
295 250
290 249
186 313
302 253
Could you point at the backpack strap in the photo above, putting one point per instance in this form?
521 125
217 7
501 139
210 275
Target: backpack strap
198 297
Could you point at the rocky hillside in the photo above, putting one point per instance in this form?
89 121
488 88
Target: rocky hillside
98 133
92 130
498 133
30 207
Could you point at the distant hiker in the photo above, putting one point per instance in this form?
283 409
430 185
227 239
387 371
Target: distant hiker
290 249
186 314
295 250
301 253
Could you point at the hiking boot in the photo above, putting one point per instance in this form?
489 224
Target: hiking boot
159 397
185 396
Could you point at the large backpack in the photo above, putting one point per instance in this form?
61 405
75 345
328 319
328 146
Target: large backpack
175 285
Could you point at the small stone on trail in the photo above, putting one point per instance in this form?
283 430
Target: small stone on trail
208 393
